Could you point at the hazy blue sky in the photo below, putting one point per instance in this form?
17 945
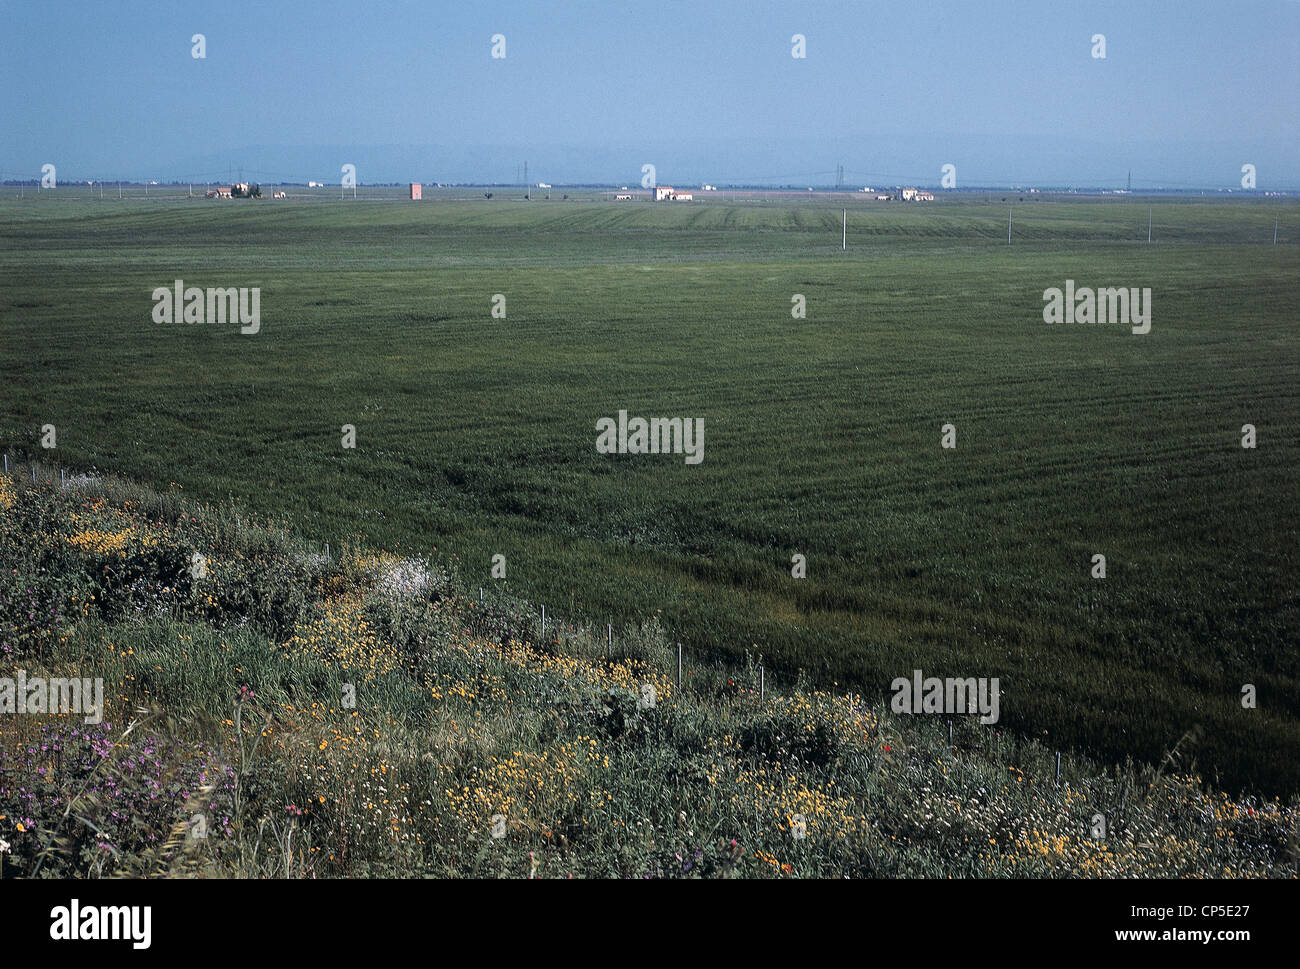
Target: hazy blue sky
1008 92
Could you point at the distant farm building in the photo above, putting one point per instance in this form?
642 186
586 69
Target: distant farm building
282 195
622 198
914 195
668 193
417 191
240 190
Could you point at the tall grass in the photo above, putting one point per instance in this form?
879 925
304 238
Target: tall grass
363 727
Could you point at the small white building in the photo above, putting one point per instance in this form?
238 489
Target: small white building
666 193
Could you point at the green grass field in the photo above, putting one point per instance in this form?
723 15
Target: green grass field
476 435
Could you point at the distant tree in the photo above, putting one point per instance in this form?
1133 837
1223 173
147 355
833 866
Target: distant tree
487 195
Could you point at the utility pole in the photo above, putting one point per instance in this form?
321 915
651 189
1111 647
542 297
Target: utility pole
844 232
528 192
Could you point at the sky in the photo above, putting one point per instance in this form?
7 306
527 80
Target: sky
1009 93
